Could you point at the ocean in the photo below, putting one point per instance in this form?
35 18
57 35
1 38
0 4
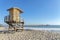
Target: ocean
44 27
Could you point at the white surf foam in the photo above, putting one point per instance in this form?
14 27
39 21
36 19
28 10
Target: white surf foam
42 28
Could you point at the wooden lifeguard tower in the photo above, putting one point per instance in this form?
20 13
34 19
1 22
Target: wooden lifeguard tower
14 19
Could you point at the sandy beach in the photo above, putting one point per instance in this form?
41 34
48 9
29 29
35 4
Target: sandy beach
30 35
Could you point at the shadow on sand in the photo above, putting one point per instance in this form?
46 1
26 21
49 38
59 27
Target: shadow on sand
12 31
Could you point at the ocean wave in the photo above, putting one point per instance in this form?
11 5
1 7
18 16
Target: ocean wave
41 28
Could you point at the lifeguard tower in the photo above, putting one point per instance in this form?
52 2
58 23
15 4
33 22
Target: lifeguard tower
14 19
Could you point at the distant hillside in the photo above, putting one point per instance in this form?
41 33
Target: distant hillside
38 25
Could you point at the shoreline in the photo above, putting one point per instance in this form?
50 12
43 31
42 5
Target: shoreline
42 28
37 29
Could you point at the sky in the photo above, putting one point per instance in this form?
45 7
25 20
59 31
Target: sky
35 11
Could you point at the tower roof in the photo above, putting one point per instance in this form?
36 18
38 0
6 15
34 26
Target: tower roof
15 8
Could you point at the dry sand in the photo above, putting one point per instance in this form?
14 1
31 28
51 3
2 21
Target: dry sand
30 35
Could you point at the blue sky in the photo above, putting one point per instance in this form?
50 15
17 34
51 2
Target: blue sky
35 11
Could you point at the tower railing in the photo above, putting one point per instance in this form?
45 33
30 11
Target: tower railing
7 19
